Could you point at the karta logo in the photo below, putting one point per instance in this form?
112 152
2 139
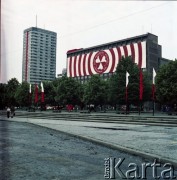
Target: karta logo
101 62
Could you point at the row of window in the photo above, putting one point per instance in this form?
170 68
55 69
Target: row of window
40 68
42 78
42 49
43 42
47 61
41 34
42 53
42 56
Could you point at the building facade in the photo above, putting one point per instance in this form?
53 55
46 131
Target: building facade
39 55
103 59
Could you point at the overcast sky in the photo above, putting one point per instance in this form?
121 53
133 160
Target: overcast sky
82 24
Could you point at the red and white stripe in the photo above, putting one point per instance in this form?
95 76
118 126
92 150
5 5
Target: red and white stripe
26 62
82 65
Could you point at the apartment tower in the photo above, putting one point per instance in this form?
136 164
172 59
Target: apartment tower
39 55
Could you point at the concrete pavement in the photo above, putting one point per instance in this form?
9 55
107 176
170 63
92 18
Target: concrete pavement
143 140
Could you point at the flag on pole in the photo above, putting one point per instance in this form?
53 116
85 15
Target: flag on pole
154 75
30 88
42 92
153 84
141 85
36 93
127 81
30 94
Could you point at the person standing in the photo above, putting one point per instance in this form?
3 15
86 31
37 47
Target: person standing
8 112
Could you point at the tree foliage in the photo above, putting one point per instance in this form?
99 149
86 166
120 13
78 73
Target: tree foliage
12 86
68 91
166 83
117 83
95 91
50 93
3 96
22 94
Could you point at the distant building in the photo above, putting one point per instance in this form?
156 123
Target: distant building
64 71
59 75
163 61
39 55
103 59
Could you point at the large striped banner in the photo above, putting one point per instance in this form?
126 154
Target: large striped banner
105 61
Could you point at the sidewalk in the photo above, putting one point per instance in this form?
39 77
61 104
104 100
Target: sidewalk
142 140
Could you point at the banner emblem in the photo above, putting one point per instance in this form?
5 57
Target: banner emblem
101 62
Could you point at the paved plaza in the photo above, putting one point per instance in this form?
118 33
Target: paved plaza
147 141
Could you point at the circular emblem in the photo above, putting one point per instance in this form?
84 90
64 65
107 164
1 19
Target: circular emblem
101 62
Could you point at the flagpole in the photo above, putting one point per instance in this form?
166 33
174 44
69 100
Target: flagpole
153 107
126 98
153 99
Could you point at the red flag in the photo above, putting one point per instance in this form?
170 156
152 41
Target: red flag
153 84
36 93
141 85
42 92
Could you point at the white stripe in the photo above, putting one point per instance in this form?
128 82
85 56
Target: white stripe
91 63
86 64
68 62
143 54
77 65
136 52
116 58
122 51
82 60
110 61
72 66
129 50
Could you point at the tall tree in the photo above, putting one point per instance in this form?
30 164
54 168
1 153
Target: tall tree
22 94
95 91
117 83
49 92
3 96
68 91
166 83
12 86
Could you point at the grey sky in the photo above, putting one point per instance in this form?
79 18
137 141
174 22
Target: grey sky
82 24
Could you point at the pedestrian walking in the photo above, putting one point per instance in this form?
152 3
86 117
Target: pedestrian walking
8 112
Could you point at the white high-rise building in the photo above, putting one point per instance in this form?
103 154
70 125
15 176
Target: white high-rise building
39 55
